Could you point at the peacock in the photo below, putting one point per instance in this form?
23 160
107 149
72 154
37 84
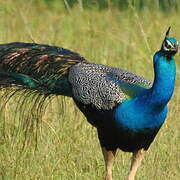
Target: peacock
126 109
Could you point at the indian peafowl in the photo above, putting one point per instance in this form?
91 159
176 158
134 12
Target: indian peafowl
126 109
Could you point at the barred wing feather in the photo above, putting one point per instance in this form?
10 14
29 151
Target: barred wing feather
102 86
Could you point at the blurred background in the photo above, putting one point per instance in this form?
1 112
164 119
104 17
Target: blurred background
120 33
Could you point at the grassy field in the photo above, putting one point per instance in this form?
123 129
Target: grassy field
68 146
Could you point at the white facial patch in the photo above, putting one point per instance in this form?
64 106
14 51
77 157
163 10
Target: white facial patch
167 45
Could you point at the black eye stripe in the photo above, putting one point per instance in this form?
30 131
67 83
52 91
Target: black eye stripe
168 44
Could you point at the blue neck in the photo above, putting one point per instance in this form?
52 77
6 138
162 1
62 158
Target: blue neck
164 80
149 108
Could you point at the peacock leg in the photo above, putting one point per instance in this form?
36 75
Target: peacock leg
108 158
135 163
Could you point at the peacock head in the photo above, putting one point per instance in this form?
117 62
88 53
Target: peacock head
170 45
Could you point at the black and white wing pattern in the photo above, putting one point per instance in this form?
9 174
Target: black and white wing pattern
103 86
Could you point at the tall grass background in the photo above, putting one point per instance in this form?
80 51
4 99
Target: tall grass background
117 33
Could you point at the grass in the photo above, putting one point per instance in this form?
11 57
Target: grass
68 147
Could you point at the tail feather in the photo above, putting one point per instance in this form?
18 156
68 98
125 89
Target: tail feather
31 73
37 67
14 79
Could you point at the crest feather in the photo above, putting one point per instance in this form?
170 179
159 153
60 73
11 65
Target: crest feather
167 32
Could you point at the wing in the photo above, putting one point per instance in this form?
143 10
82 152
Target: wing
129 83
102 86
